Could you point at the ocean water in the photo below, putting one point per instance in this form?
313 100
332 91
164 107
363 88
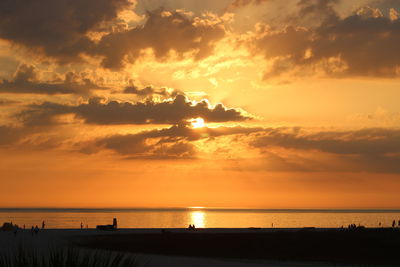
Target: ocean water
208 218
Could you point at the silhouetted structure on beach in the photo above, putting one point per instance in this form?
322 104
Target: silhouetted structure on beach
108 227
9 226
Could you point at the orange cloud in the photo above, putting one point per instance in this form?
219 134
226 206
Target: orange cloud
361 44
96 111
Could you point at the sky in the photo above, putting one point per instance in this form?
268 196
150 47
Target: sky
180 103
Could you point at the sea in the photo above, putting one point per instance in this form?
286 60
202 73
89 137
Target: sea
56 218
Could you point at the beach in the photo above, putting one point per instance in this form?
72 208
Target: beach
226 246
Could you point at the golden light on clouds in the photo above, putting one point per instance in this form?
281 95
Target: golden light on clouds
186 95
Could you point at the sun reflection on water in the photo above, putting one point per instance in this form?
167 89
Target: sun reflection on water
198 218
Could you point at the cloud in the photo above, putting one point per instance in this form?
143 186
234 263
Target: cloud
175 141
374 149
26 81
363 44
150 91
315 11
138 146
59 29
275 149
242 3
7 102
366 141
68 31
9 135
97 111
163 32
281 149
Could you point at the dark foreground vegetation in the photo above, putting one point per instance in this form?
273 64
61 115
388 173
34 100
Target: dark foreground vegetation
358 246
63 257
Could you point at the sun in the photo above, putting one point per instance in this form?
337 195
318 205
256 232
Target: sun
197 123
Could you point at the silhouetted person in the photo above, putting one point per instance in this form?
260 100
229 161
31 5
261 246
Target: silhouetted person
115 224
380 224
36 229
394 223
81 226
398 225
32 230
43 225
352 226
24 226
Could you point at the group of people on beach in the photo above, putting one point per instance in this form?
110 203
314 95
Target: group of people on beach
394 223
35 230
192 227
353 226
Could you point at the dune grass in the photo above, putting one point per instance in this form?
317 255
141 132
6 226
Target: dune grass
64 257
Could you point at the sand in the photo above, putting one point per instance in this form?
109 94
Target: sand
147 257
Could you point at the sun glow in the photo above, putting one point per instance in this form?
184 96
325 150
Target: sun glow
198 219
197 123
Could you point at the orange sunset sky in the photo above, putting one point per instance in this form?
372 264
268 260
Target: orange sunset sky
178 103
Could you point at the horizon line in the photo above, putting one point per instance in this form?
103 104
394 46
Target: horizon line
2 209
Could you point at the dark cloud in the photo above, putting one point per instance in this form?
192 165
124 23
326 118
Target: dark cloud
242 3
172 142
369 150
98 112
362 44
138 146
366 141
8 64
376 150
60 30
23 138
315 11
150 91
26 81
384 5
57 28
6 102
9 135
163 32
